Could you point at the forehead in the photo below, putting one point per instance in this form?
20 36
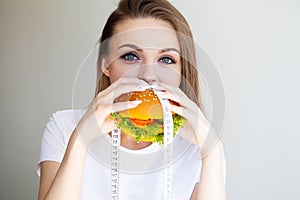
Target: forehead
145 33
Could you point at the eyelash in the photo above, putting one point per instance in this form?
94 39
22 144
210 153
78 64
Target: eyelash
172 60
129 54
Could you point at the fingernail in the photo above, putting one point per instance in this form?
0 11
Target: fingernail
154 84
143 88
136 102
144 83
160 92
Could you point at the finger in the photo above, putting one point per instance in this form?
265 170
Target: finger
170 96
126 88
176 94
112 94
123 81
183 101
187 133
108 125
195 120
115 107
171 88
194 128
177 109
103 111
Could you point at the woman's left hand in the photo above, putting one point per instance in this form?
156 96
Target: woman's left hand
196 128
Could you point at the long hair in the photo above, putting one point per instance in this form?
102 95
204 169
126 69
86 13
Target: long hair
162 10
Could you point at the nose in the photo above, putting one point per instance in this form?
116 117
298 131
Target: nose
148 73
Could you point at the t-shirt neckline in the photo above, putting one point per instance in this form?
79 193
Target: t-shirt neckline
149 149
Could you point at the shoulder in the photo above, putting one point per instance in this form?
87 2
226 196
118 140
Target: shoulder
62 122
68 116
68 113
57 133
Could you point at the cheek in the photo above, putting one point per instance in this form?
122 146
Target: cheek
177 76
115 71
171 76
118 70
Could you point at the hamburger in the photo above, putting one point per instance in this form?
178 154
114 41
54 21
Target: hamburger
145 121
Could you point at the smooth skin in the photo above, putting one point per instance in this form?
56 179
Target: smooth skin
132 61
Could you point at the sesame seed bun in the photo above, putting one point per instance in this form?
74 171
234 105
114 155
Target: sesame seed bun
150 108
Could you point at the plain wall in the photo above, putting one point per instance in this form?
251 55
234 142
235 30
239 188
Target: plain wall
254 45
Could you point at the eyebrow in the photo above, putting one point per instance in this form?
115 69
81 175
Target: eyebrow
132 46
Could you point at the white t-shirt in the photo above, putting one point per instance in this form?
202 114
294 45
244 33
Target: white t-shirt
140 177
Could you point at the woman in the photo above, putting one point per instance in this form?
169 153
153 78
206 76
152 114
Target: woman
143 42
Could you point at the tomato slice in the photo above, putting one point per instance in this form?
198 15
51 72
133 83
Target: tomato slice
140 122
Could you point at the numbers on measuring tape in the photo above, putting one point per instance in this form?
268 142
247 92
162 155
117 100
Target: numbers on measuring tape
116 134
168 139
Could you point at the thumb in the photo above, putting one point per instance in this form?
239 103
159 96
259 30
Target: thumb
108 125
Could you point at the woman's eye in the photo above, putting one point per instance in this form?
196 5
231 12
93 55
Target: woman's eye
129 57
167 60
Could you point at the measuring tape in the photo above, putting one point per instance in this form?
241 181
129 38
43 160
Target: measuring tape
168 139
168 151
116 134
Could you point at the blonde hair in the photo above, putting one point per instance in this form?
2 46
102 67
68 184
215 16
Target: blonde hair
162 10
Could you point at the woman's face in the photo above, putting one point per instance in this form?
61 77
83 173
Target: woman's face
144 48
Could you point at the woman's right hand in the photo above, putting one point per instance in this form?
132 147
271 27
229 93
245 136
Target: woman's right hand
96 120
63 180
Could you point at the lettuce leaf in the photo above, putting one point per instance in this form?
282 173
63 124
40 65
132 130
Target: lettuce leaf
148 132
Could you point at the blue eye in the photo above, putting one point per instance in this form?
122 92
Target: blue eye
129 57
167 60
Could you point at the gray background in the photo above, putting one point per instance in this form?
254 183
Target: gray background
253 43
